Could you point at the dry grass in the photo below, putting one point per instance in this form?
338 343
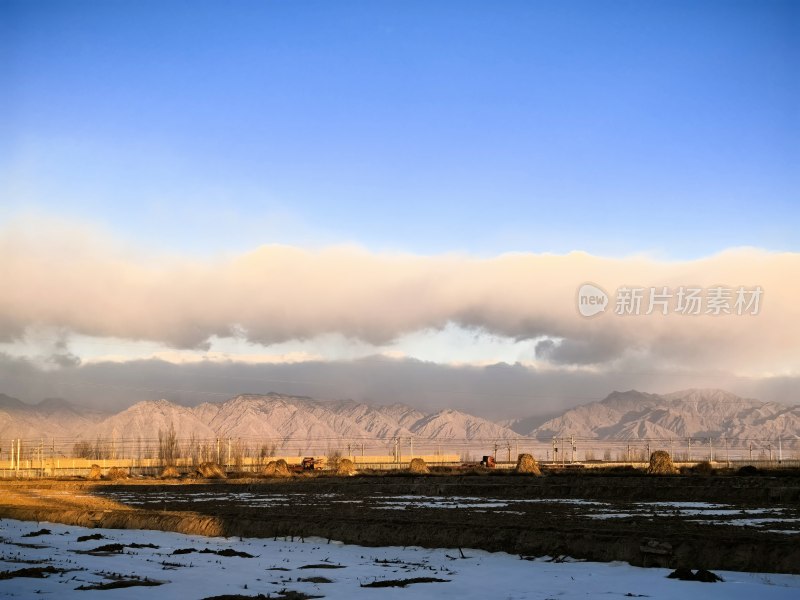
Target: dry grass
661 464
527 464
117 473
170 472
418 466
345 467
210 470
95 472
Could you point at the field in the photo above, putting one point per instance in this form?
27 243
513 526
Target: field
734 522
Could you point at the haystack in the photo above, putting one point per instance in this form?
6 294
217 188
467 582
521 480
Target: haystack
276 468
210 470
95 472
116 473
661 464
345 467
170 472
528 465
704 468
418 466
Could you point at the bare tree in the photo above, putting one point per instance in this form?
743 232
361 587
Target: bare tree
167 446
82 449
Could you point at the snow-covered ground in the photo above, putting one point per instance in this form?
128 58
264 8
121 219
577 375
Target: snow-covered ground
336 570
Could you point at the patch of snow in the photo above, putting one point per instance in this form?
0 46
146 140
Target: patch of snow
280 564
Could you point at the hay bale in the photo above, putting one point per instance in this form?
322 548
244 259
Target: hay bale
170 472
210 470
704 468
527 464
345 467
95 472
418 466
661 464
117 473
276 468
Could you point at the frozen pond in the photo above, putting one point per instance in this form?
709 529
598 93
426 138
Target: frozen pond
194 567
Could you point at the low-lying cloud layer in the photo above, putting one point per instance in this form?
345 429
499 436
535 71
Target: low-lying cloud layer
495 392
78 281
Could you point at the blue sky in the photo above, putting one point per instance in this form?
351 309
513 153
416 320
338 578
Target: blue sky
426 127
429 168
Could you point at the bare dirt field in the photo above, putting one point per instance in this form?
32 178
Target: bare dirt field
731 522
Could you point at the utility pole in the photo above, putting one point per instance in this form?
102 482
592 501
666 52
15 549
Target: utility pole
751 451
218 455
710 451
572 442
727 455
780 451
688 449
555 450
509 451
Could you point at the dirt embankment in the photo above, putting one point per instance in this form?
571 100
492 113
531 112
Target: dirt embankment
541 528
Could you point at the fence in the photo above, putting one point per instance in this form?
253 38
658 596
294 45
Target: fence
70 456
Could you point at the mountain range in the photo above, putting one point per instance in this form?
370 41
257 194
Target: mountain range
621 415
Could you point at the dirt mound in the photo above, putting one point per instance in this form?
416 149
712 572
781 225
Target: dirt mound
748 470
276 468
346 467
418 466
170 472
210 470
117 473
703 575
527 464
661 464
95 472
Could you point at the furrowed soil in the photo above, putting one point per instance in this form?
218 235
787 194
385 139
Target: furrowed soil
745 523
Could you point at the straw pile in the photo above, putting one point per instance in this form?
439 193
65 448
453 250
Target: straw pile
210 470
703 468
276 468
170 472
116 473
661 464
418 466
345 467
527 464
95 472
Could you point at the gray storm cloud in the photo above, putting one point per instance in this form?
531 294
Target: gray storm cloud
81 282
495 391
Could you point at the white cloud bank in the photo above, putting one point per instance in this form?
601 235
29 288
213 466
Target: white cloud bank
77 280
